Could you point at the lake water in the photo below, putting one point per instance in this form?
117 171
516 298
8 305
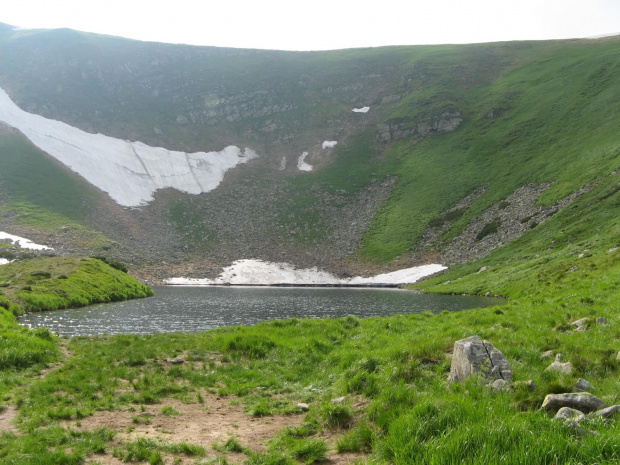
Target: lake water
191 309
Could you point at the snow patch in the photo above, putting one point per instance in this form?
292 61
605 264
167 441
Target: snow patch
361 110
22 242
283 164
130 172
328 144
301 164
258 272
3 261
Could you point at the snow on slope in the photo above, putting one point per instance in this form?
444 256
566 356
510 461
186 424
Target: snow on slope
130 172
301 164
361 110
329 144
3 261
22 242
250 272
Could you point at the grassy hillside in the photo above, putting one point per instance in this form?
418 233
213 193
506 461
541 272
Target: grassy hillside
51 283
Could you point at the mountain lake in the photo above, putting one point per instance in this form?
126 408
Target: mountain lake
192 309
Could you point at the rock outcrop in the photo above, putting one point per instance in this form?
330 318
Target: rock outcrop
474 356
584 402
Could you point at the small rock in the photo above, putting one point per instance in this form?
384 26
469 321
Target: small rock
483 269
547 354
618 356
530 384
612 250
601 321
569 415
338 400
563 368
607 412
580 329
500 385
303 407
177 361
584 402
146 414
580 322
584 386
448 282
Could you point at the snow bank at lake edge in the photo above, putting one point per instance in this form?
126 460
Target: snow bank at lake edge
258 272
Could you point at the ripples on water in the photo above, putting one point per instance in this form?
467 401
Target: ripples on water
191 309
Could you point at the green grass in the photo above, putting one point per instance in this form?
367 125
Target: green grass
51 283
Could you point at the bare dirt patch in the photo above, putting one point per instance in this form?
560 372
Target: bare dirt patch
6 419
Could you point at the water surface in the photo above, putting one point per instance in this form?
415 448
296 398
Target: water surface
191 309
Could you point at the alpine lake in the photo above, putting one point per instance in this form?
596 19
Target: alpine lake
193 309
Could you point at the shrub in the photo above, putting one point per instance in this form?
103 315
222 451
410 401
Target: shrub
489 228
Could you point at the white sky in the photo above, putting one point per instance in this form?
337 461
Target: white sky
321 24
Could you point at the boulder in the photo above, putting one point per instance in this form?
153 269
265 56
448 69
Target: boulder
601 320
584 386
500 385
583 401
569 415
303 407
580 322
472 356
608 412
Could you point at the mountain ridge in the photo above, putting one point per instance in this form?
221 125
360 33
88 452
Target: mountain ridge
443 123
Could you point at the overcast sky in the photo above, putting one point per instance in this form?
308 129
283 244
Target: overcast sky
321 24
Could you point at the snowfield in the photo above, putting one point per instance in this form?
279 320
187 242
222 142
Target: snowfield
258 272
3 261
22 242
301 164
361 110
329 144
130 172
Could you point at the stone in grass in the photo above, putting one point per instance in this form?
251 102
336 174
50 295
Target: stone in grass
500 385
618 356
529 384
601 320
608 412
562 368
338 400
473 356
580 322
177 361
583 401
584 386
569 415
303 407
547 354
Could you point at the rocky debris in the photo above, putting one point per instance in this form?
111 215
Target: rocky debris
563 368
513 217
602 321
398 129
339 400
473 356
547 354
303 407
568 414
584 386
584 402
608 412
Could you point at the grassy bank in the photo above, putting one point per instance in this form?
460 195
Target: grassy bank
392 371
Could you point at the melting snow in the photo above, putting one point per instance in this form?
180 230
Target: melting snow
283 164
361 110
301 164
130 172
22 242
256 272
3 261
328 144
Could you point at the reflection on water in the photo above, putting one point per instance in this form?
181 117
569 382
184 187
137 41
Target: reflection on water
191 309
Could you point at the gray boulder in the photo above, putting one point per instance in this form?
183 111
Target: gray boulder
608 412
584 386
601 320
569 415
473 356
547 354
583 401
580 322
